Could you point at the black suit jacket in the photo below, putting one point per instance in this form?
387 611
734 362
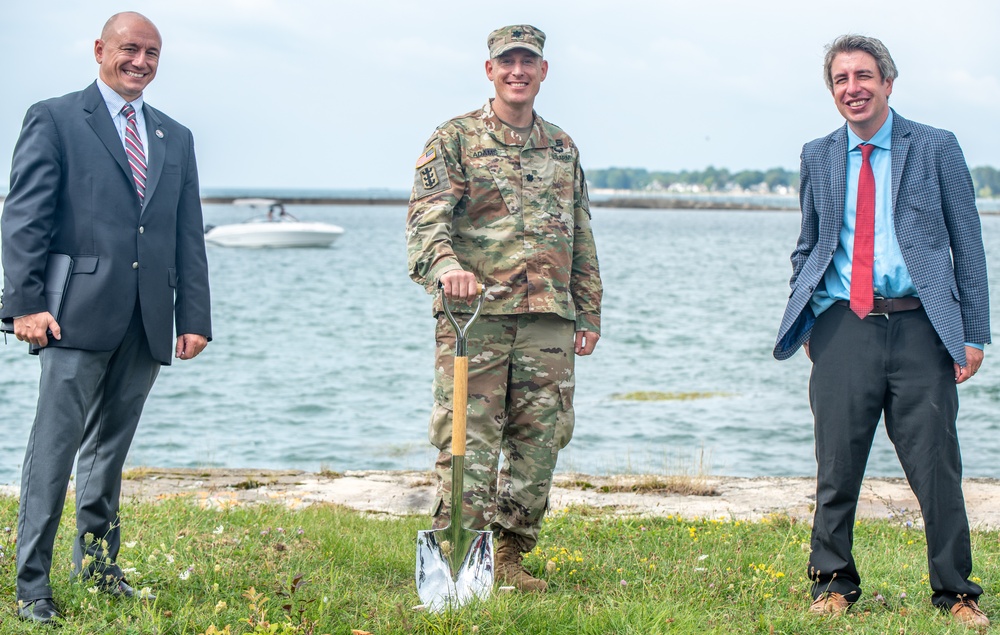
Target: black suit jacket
71 192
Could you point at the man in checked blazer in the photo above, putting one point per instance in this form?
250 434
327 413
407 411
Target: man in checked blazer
132 223
924 335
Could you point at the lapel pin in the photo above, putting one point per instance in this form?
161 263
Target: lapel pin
159 133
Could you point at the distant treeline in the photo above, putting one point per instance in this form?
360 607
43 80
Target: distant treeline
985 179
710 179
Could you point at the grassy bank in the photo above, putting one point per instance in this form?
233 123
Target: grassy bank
269 569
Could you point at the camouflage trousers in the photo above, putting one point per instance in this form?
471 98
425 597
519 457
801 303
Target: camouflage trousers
521 385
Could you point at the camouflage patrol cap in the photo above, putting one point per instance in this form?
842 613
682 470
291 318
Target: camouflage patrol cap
518 36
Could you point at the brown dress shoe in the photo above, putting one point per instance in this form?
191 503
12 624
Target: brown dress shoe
830 604
967 612
511 572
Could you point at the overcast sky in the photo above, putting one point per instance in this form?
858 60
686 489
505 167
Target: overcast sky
329 94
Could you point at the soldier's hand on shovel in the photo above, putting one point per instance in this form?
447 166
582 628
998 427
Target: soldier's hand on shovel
459 284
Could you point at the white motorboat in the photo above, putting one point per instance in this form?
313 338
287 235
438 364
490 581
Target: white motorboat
277 229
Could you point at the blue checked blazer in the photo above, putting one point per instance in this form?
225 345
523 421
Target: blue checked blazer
936 223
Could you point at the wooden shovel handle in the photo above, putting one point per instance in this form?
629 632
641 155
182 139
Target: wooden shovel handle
460 403
460 396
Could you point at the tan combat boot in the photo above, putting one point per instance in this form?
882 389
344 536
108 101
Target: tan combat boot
511 572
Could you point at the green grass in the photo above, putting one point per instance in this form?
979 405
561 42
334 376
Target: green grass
323 569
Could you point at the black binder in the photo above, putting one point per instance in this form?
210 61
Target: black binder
58 269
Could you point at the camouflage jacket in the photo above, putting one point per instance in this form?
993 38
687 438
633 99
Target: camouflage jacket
514 213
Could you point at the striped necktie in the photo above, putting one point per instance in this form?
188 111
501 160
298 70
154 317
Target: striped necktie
136 153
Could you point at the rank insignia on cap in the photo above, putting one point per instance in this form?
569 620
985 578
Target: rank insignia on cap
515 36
426 157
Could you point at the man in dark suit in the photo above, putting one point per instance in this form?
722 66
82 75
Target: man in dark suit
890 201
112 182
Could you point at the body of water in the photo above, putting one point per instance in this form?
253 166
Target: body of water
322 358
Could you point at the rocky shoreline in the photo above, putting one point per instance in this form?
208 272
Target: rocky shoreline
404 493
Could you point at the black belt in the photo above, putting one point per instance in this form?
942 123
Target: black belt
885 306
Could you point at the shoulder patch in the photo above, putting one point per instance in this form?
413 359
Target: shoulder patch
431 174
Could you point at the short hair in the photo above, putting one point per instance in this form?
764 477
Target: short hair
854 42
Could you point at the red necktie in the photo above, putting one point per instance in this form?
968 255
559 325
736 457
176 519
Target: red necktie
135 152
862 301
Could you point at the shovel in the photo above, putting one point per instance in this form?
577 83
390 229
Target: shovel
455 564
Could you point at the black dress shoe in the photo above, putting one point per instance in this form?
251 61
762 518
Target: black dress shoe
41 611
122 589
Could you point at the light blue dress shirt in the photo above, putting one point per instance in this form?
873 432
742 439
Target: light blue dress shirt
890 276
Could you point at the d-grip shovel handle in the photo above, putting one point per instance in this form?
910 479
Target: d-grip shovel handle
460 397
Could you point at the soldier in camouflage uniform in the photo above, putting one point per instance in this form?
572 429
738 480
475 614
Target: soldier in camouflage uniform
499 198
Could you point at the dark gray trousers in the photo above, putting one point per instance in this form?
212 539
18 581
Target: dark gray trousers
88 402
898 366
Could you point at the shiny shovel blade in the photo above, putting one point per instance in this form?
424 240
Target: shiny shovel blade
448 577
